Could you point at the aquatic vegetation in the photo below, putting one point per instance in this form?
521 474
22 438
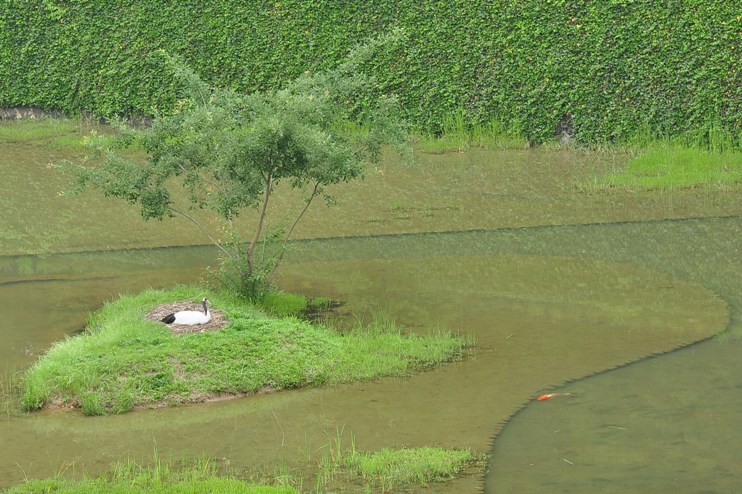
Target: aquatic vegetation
9 391
52 132
124 361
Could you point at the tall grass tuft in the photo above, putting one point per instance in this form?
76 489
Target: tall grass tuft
391 468
458 133
10 392
284 304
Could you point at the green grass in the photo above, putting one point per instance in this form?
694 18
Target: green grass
667 166
161 478
390 468
123 361
283 304
338 470
459 134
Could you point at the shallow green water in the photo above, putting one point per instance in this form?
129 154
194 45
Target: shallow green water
668 424
665 424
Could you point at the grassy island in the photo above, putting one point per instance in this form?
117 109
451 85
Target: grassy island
123 360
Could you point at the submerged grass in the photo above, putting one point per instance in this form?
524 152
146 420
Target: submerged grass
123 361
10 389
54 132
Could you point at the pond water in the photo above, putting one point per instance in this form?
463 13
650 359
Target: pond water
667 423
553 284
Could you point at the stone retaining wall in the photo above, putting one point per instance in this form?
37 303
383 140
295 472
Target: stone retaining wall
20 112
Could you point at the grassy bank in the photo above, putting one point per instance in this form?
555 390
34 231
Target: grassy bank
162 477
337 471
709 160
669 165
39 219
132 479
713 161
123 361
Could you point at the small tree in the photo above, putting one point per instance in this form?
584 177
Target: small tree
229 151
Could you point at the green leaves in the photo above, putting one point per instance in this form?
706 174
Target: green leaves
228 151
524 63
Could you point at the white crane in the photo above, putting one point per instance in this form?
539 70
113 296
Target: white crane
189 317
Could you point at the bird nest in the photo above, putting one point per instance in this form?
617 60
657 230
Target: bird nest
218 319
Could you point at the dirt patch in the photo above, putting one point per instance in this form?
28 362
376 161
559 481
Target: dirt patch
218 319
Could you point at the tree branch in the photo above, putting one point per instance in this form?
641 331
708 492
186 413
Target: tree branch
298 218
314 193
203 230
261 220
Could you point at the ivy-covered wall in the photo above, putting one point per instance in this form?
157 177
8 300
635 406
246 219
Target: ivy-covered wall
607 69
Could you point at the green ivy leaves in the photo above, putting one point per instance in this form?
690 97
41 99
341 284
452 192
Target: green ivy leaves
613 66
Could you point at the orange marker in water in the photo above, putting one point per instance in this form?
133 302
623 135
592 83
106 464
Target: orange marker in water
551 395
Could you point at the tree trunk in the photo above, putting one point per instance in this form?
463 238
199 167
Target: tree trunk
261 220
